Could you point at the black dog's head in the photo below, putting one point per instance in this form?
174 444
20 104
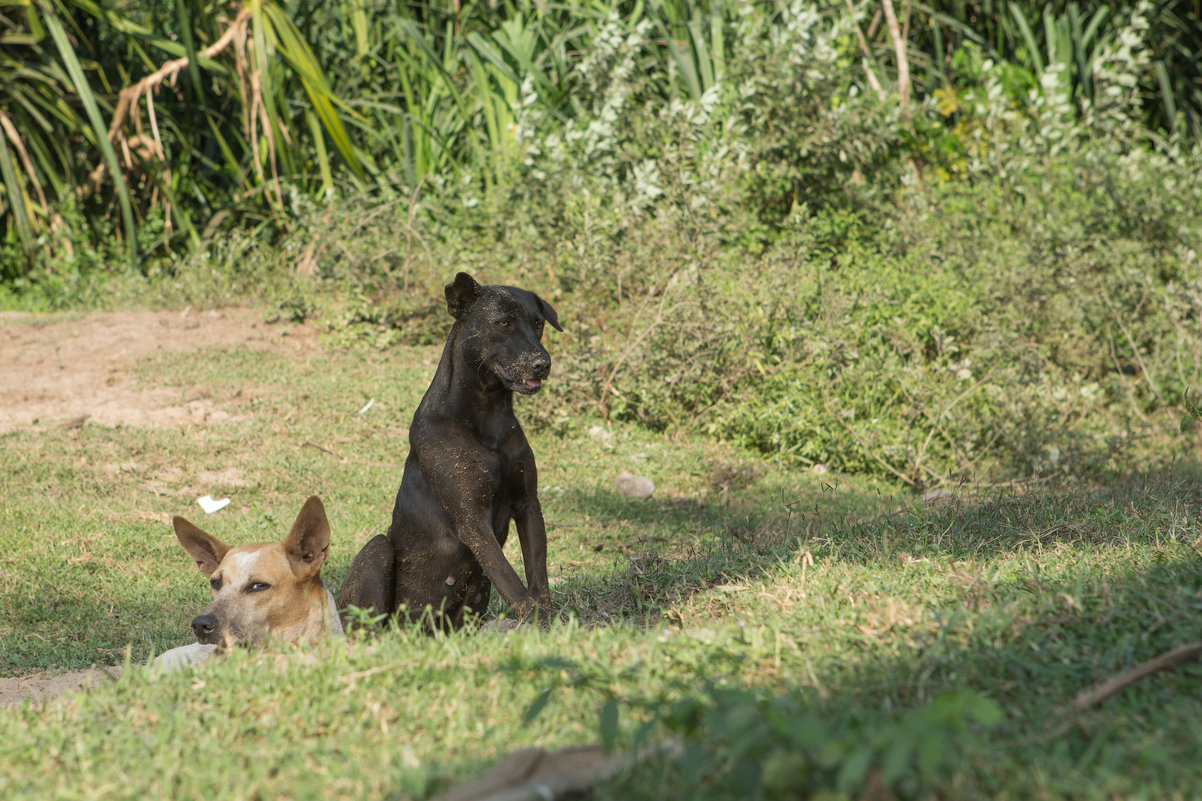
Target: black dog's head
501 331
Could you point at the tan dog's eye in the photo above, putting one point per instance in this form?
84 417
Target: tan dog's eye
215 583
258 586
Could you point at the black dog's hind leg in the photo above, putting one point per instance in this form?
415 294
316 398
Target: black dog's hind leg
370 582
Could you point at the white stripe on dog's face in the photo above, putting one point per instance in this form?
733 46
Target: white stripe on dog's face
242 563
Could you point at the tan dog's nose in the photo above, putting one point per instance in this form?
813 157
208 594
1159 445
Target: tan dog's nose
203 627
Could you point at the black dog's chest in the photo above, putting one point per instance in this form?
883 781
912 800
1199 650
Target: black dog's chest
512 458
511 466
502 436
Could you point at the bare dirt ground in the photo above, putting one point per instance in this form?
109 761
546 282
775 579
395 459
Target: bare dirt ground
60 371
42 687
55 370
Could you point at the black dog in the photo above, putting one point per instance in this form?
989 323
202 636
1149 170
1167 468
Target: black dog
469 472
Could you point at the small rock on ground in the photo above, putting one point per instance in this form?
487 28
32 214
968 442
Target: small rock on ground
633 486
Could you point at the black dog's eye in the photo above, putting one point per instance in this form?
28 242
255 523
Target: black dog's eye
503 323
215 583
539 325
258 586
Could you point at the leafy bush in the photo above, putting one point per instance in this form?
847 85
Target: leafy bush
1071 40
974 338
736 744
1028 320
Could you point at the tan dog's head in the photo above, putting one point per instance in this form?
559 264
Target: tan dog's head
266 591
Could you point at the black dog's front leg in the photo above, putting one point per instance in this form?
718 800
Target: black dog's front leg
465 486
532 534
475 531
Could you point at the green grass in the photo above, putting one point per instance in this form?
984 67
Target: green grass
740 590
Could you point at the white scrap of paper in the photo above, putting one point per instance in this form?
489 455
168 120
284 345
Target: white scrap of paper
369 404
209 505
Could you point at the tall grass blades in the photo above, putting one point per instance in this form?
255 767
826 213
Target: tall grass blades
39 69
695 38
441 91
93 99
1064 39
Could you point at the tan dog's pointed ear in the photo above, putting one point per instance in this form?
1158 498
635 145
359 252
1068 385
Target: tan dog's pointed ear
207 550
308 544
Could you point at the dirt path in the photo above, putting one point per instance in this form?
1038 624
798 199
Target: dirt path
55 370
58 371
41 687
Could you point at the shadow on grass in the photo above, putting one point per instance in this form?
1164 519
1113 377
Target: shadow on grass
674 550
1094 581
71 629
1139 743
653 554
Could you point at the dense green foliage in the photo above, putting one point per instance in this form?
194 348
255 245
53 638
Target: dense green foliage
278 105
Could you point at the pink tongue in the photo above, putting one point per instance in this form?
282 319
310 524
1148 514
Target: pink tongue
533 383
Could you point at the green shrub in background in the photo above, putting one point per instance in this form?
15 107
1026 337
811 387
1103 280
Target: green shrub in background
1029 318
1071 41
317 101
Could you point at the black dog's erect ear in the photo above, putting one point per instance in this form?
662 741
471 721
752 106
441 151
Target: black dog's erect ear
548 313
461 294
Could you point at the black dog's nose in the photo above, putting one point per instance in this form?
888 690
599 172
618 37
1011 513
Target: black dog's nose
204 626
541 365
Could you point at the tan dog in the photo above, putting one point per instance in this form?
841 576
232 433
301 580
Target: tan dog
266 592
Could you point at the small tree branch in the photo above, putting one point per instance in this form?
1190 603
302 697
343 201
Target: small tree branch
1125 679
1143 368
899 50
873 83
660 317
130 95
